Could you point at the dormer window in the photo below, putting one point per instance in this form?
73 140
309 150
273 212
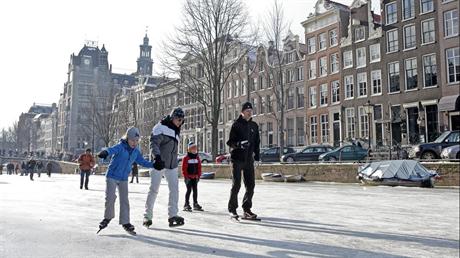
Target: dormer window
360 33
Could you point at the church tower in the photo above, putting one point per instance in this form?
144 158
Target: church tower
145 62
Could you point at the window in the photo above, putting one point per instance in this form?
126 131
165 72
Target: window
350 122
229 93
347 59
349 87
322 41
313 129
411 73
312 70
323 95
300 131
360 33
426 6
269 103
324 129
261 82
300 97
409 37
312 96
290 98
323 66
363 123
362 84
299 73
335 91
408 9
376 78
393 77
430 73
361 57
453 65
230 113
311 45
428 31
290 131
263 105
392 41
451 23
261 66
236 89
334 63
254 105
391 13
374 51
290 57
333 38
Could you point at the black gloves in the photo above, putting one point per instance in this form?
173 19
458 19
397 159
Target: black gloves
242 145
159 164
103 154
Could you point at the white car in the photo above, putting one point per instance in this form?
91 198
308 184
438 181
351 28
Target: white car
452 152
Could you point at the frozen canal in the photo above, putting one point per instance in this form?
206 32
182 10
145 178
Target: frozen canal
52 217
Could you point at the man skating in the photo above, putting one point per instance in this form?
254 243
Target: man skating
86 161
244 142
164 142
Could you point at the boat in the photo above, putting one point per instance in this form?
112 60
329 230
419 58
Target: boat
397 173
292 178
273 177
208 175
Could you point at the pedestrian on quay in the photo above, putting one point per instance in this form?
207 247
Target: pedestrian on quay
124 154
86 161
244 142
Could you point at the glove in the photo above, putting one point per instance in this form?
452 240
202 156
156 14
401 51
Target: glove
242 145
257 163
103 154
159 164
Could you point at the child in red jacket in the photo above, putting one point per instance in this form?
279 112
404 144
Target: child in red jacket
191 169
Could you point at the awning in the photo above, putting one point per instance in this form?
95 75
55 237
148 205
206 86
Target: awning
448 103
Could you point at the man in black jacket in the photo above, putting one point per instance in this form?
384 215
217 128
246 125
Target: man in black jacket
244 142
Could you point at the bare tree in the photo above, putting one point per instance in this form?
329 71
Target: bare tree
213 39
275 28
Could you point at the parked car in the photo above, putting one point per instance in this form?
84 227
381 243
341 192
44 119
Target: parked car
273 154
348 152
452 152
310 153
433 149
223 158
204 157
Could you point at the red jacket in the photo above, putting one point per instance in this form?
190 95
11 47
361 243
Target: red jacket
191 166
86 162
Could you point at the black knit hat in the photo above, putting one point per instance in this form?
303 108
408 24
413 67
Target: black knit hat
245 106
177 113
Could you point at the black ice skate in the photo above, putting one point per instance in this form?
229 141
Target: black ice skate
129 228
187 207
176 221
147 222
248 215
103 225
197 207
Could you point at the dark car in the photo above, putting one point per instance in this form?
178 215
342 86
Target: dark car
433 150
273 154
348 152
310 153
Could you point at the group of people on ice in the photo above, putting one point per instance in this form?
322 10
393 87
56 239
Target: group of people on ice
244 142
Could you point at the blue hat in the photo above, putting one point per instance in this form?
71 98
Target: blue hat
191 144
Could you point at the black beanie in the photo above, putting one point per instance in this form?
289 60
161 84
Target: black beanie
245 106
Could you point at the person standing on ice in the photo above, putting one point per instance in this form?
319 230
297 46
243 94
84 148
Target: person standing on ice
164 142
244 142
125 153
191 170
86 163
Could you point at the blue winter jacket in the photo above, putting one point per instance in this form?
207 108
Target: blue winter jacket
123 158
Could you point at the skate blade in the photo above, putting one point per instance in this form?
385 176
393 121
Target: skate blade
198 210
236 219
131 233
187 210
98 231
254 219
176 225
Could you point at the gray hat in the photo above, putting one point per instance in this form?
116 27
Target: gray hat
132 134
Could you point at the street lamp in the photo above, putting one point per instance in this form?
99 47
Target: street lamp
369 109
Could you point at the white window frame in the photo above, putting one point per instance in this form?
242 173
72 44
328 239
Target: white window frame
403 10
349 94
311 48
322 40
427 11
431 65
392 32
312 97
312 71
411 68
314 129
362 31
335 92
324 120
423 31
361 57
405 37
335 66
453 22
321 74
375 48
376 76
323 95
347 56
386 13
336 37
456 59
389 81
361 79
350 123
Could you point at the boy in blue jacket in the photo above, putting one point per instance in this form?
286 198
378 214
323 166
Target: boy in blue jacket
125 153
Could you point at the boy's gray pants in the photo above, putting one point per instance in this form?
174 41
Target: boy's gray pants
173 184
110 197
